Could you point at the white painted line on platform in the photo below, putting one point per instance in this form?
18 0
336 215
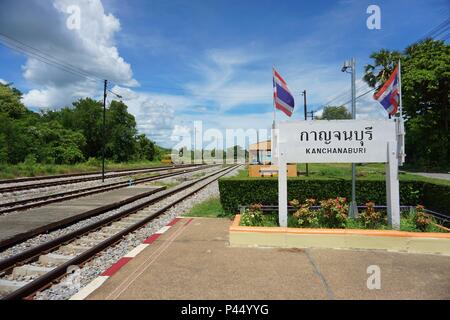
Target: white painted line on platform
133 253
91 287
163 229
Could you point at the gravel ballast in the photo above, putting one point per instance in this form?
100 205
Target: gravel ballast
72 283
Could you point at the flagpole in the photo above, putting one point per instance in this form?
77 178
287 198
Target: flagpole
273 97
274 158
400 88
401 124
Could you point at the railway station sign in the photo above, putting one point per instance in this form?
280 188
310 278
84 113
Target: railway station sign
344 141
339 141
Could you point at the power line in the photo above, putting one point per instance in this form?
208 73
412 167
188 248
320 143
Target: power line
436 30
343 94
44 57
360 96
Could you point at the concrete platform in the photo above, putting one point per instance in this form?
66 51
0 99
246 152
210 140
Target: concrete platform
13 227
194 261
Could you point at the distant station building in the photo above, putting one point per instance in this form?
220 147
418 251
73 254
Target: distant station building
261 152
260 158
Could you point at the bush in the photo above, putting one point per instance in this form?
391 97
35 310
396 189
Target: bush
421 219
235 192
370 217
304 216
252 216
333 213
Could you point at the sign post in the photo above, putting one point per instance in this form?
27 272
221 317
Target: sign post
339 141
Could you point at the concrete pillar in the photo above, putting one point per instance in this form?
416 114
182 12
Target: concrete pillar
282 191
392 187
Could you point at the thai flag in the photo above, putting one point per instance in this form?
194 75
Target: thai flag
282 96
388 95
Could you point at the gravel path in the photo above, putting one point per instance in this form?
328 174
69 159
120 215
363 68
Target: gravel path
72 283
444 176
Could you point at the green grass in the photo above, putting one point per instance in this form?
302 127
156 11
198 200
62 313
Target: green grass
210 208
8 171
373 171
198 175
168 185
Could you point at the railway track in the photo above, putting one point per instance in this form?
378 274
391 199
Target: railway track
48 262
67 195
89 177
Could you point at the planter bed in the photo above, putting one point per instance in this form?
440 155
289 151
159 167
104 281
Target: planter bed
391 240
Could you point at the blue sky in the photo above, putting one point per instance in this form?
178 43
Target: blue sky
179 61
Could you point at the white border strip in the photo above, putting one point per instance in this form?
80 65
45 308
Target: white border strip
91 287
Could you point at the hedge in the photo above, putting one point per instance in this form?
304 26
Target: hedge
235 192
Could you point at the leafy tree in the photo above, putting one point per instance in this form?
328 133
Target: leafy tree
121 130
145 148
335 113
69 135
425 95
385 61
10 102
87 117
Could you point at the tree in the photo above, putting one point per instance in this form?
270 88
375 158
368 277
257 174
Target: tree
145 148
87 117
10 102
335 113
121 131
385 61
425 93
69 135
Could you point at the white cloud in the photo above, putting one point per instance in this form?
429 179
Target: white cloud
3 81
90 48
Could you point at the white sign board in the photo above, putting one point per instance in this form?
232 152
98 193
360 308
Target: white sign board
348 141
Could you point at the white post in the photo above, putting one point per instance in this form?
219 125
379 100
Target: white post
392 187
282 191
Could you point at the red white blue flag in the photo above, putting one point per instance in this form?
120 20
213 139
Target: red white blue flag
282 96
389 95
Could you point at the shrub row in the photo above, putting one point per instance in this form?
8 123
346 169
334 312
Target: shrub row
235 192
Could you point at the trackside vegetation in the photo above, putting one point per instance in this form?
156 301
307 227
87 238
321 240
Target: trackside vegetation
240 191
67 136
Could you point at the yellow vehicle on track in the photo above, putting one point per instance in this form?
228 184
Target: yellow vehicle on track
167 158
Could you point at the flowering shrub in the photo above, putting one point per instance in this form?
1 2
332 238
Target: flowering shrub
304 216
421 219
333 212
370 217
252 216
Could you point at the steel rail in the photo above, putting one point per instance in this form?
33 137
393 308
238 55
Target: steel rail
77 180
69 175
46 279
44 200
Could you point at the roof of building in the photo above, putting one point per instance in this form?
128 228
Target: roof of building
262 145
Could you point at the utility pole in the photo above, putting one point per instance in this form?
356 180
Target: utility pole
104 130
352 65
306 118
257 147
